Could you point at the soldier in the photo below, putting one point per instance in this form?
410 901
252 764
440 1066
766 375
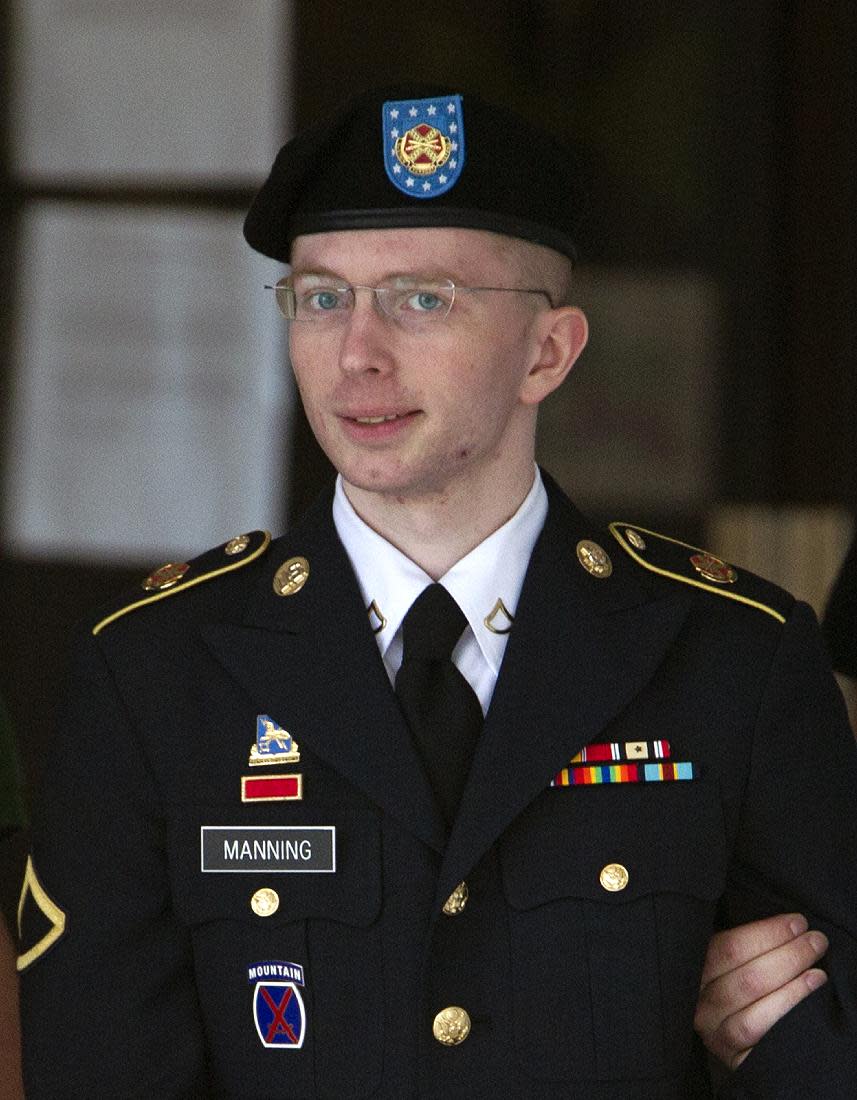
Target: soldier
521 768
12 820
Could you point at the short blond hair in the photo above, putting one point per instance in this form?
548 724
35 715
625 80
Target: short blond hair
536 265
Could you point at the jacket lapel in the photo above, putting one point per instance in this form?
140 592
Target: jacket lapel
580 650
310 661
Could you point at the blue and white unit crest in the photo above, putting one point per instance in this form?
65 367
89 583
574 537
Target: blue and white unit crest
274 745
278 1008
423 143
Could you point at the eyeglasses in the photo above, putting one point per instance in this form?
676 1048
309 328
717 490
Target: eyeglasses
410 302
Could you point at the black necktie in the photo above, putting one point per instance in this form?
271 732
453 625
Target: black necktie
440 706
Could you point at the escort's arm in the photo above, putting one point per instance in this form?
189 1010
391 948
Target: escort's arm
109 1006
753 975
795 851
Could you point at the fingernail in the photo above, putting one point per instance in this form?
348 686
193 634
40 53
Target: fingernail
815 978
798 925
819 941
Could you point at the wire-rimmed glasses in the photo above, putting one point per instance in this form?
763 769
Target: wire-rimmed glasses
413 302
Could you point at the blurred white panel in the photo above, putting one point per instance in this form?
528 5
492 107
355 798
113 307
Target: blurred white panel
126 91
151 393
633 428
800 548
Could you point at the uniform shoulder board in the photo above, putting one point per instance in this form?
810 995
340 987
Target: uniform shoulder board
688 564
174 577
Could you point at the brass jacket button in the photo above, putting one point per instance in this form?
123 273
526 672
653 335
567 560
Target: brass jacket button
457 900
613 877
265 902
451 1026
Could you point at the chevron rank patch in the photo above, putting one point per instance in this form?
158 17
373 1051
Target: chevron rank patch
41 922
597 774
423 141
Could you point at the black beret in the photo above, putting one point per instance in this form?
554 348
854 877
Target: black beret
408 158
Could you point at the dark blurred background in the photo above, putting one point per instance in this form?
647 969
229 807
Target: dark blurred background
718 265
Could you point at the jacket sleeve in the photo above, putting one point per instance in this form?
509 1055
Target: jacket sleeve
109 1005
796 850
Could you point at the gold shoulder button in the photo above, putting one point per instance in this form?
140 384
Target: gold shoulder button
175 577
291 576
679 561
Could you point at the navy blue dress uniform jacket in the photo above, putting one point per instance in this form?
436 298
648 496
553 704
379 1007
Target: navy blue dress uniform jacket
138 986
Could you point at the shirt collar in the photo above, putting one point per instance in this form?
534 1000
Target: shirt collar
494 570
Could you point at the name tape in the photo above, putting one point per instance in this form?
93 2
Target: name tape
275 849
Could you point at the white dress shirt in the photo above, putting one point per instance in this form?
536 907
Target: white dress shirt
493 571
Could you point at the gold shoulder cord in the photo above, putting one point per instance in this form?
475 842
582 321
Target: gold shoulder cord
181 587
626 546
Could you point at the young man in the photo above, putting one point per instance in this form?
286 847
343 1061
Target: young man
445 792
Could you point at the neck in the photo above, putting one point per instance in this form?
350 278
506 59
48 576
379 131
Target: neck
438 529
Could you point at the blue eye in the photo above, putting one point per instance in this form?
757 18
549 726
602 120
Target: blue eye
324 300
426 301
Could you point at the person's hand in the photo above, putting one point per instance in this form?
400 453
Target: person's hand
753 975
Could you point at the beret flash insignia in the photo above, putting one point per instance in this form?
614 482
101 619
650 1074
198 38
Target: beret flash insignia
423 142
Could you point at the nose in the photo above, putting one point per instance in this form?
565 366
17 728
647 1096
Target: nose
366 337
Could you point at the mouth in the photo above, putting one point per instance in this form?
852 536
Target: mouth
378 427
371 419
377 419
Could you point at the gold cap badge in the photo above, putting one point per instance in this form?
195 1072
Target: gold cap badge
423 149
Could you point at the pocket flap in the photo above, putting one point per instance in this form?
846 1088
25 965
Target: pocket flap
616 843
220 858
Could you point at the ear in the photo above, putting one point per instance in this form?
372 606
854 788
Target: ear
560 336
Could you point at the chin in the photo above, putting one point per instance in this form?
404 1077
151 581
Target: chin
378 477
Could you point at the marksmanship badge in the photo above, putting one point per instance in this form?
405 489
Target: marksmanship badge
423 143
278 1008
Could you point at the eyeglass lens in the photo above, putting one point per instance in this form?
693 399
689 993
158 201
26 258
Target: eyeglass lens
409 301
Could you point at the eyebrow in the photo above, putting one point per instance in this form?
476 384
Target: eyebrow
327 273
321 272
